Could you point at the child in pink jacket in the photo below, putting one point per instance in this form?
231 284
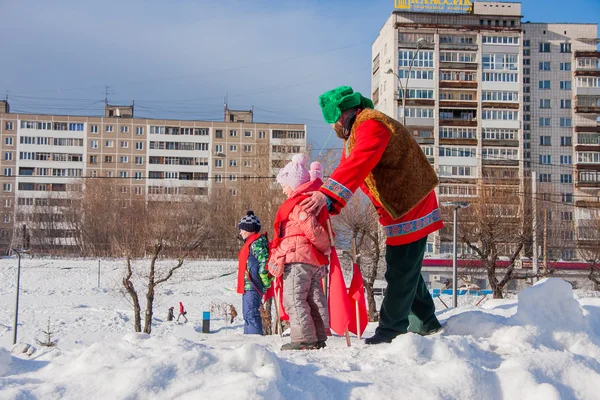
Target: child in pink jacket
300 249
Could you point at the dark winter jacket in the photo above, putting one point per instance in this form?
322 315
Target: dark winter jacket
257 263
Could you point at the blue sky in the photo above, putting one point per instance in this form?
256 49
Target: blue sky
179 58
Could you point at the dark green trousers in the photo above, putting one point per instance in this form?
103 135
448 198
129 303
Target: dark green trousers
407 304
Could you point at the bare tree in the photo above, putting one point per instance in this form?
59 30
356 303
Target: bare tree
495 225
588 245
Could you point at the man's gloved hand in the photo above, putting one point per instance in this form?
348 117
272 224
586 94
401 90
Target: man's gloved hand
314 203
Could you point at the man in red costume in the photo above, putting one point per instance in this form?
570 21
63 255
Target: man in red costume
381 157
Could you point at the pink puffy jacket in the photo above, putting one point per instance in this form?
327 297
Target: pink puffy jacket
302 234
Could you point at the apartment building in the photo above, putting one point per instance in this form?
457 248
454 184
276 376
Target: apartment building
492 97
562 105
464 97
44 158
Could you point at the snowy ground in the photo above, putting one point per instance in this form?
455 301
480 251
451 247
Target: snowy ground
543 345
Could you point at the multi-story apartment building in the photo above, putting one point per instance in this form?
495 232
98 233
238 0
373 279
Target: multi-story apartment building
561 107
44 158
490 97
463 102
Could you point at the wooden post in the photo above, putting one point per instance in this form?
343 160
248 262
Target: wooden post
354 261
277 320
333 249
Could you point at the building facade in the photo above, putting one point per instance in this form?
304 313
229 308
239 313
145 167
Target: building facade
490 98
45 157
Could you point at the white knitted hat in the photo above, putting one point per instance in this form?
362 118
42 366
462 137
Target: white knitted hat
294 173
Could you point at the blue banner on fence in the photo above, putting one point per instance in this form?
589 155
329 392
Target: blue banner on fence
462 292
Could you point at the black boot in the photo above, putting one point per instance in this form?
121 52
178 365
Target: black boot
321 344
299 346
378 339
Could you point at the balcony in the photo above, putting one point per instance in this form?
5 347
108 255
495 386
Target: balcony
587 54
591 129
502 105
587 178
458 117
458 46
467 66
585 139
458 85
458 104
587 109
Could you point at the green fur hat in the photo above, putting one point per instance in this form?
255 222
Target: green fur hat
334 102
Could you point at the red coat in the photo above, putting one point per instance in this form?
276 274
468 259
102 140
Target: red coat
372 138
181 309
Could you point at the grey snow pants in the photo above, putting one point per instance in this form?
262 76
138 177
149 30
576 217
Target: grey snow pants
305 302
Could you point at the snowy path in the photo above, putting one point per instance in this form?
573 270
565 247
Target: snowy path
546 345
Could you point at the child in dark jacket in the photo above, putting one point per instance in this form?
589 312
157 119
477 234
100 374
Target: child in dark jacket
253 277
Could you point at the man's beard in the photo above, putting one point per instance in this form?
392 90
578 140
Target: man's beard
339 131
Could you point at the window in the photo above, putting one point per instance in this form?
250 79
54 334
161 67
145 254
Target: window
124 159
139 160
526 43
454 151
507 115
123 174
544 47
218 178
233 163
418 94
565 103
247 133
233 148
9 126
500 134
75 127
8 156
447 170
544 85
108 159
7 171
124 145
139 145
423 59
247 148
544 121
233 178
93 159
7 187
544 103
247 163
94 128
500 39
565 47
499 153
565 85
566 160
109 143
565 122
566 141
500 77
109 128
545 141
139 130
137 176
417 112
219 134
459 133
588 157
8 141
544 65
7 203
232 133
567 197
124 129
566 178
93 144
565 66
262 135
451 56
545 178
218 163
218 148
526 53
545 159
500 62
